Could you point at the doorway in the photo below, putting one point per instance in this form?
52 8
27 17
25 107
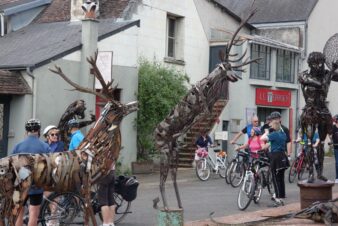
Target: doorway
262 113
4 124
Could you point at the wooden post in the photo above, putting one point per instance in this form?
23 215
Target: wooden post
312 192
170 217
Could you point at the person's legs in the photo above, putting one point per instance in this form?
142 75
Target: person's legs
33 215
106 199
34 209
336 158
19 220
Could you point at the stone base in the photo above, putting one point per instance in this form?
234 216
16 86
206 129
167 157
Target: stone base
170 217
312 192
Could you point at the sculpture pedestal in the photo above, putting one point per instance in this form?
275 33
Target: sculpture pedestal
312 192
170 217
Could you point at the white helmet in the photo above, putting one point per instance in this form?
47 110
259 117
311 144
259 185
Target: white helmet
45 131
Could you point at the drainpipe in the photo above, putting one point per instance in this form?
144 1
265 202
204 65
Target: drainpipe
2 24
30 74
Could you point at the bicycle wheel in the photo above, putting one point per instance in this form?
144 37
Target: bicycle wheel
228 171
258 190
222 168
269 185
246 192
237 174
63 209
303 170
202 169
122 208
293 171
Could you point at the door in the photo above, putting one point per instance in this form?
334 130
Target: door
4 124
262 113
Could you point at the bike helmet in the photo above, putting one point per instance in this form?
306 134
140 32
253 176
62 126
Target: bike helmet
257 131
32 125
46 130
73 123
335 118
275 115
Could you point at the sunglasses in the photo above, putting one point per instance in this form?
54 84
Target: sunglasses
53 134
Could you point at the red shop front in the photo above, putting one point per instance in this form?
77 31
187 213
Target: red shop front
269 100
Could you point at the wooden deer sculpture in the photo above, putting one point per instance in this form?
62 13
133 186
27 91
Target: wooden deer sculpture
200 98
66 171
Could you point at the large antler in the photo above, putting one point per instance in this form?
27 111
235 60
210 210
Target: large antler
107 90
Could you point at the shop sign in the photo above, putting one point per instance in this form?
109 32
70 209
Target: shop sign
269 97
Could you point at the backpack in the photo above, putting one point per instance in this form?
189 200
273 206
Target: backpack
127 187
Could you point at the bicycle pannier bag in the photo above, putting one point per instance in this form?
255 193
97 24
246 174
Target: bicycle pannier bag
127 187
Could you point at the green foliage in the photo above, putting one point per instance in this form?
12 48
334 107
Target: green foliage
160 88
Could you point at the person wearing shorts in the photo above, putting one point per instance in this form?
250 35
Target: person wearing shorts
33 145
106 197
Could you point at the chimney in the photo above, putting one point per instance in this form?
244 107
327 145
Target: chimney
89 46
76 13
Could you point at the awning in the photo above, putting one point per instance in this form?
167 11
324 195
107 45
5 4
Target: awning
13 83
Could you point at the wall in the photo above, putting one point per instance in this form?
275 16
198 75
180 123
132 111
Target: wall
53 94
152 35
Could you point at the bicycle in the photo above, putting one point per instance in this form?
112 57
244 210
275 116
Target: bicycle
236 170
67 208
298 166
257 177
204 164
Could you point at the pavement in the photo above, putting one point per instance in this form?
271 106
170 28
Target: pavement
186 175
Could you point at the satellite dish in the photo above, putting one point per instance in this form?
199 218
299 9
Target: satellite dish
331 50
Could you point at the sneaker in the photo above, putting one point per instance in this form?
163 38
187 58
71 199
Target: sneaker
276 203
336 181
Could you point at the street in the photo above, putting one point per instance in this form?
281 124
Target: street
201 198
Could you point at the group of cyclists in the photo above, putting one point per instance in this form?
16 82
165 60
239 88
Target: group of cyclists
32 144
274 138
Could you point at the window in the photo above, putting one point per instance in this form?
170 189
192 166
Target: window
174 39
285 66
171 36
262 69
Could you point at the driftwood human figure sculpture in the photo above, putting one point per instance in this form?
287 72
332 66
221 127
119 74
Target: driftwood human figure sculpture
66 171
75 110
200 98
315 86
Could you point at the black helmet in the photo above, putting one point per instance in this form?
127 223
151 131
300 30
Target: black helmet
33 125
275 115
335 118
73 123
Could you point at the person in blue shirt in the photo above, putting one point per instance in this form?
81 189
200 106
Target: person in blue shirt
76 136
278 160
51 133
33 145
203 141
246 130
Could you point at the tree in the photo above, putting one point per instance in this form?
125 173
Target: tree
160 88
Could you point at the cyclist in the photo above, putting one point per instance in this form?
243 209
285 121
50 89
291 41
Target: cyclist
246 130
32 144
76 134
254 143
304 145
203 141
278 160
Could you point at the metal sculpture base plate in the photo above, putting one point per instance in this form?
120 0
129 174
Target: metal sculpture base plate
312 192
172 217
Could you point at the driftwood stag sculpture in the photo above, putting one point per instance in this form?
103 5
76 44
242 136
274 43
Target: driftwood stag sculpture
66 171
200 98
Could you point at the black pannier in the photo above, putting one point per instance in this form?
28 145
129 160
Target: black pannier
126 187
